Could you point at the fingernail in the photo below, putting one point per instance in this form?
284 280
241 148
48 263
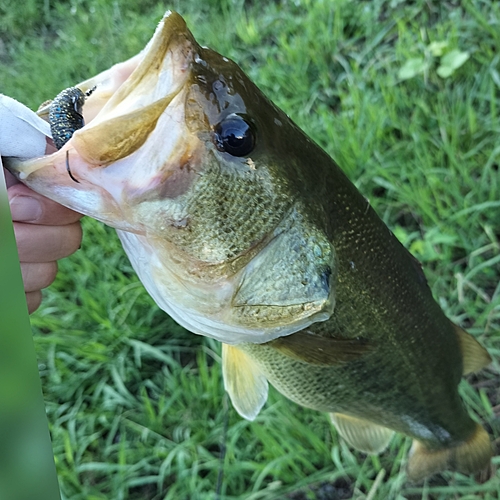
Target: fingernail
25 209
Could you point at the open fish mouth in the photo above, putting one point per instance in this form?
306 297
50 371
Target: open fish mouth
131 104
174 155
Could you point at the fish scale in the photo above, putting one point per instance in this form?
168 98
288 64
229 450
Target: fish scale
222 211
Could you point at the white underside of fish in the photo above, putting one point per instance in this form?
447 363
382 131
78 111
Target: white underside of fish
203 310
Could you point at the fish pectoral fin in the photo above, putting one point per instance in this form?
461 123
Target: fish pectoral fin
322 351
468 457
474 355
362 434
244 382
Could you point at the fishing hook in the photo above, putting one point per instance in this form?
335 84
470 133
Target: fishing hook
67 167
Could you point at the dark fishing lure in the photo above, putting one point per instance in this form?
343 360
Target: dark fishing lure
65 114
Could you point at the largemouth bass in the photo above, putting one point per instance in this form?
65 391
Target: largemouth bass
244 230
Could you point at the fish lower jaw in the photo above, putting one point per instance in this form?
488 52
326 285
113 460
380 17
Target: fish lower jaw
207 309
232 333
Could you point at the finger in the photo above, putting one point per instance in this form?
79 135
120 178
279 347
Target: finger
38 275
34 299
28 206
46 243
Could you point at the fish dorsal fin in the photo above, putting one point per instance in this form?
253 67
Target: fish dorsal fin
474 355
468 457
361 434
244 382
316 350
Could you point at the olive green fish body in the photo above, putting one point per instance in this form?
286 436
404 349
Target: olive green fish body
408 380
375 388
407 377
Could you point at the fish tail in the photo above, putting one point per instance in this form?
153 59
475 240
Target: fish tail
468 457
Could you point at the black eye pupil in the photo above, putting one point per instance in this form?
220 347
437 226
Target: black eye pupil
235 136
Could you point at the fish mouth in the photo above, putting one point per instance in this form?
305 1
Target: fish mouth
134 104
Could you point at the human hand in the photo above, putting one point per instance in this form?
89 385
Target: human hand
45 232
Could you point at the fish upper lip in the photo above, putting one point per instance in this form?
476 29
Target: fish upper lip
131 112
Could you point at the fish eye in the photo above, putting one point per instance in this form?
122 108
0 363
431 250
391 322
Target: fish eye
234 135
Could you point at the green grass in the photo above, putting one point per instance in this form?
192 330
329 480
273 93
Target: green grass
135 403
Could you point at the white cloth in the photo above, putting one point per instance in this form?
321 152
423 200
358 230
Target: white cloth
22 132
